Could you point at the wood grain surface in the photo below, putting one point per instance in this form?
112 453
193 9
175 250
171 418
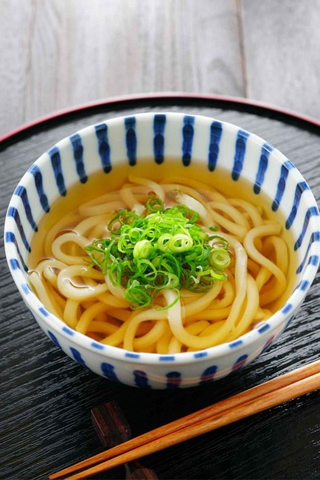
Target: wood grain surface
46 398
58 53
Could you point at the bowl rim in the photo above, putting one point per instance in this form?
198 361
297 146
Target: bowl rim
110 352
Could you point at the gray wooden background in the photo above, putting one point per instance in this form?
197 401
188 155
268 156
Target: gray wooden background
59 53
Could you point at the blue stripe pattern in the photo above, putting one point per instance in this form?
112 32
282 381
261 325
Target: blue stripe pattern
13 212
311 212
25 287
55 158
285 168
14 264
315 237
10 238
141 379
103 146
239 155
44 311
22 193
187 135
263 165
216 130
159 124
37 175
78 157
131 140
300 188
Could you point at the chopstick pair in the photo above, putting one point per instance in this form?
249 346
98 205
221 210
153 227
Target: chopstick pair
257 399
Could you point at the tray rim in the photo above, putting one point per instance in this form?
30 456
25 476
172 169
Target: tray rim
223 99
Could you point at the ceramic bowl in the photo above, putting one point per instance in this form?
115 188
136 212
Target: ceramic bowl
151 141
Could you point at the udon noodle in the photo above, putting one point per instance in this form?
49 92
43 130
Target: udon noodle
82 296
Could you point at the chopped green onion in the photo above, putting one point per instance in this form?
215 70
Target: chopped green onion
164 248
142 249
220 258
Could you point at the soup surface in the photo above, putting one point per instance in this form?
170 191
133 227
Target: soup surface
162 259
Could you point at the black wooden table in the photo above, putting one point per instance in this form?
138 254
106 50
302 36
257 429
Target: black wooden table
46 398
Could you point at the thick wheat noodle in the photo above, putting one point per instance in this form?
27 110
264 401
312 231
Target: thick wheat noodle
70 313
130 200
151 337
64 257
79 292
91 210
42 293
252 305
153 186
264 230
90 223
232 212
68 221
229 225
253 213
88 301
195 329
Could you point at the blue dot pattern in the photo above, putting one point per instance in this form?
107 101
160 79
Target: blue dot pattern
54 339
108 371
132 355
208 375
240 362
77 356
141 379
264 328
235 344
68 330
173 380
97 345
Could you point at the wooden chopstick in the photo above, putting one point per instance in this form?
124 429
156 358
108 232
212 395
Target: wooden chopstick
252 401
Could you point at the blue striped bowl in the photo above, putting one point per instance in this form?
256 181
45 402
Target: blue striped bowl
155 139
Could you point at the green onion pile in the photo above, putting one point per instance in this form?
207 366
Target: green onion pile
164 248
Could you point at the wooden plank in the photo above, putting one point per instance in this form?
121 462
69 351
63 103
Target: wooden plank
16 23
82 51
281 41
